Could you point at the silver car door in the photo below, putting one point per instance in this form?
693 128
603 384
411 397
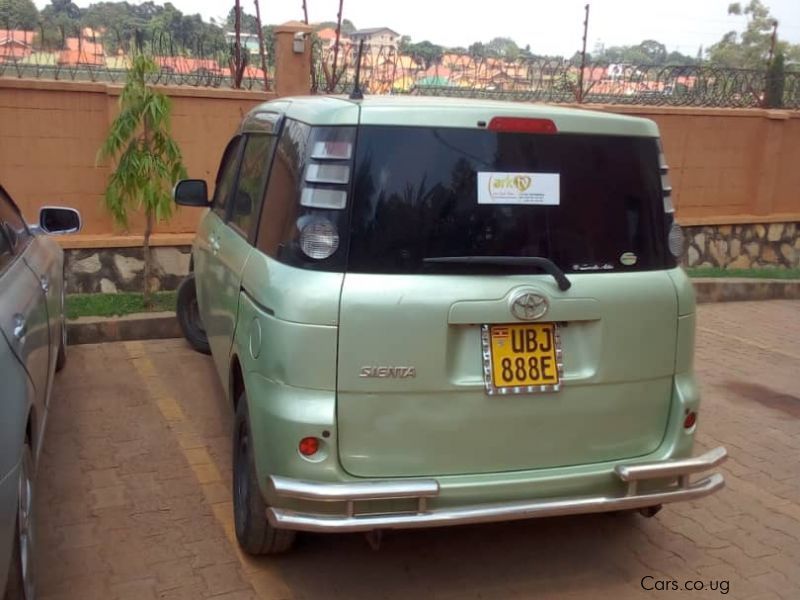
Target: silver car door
23 306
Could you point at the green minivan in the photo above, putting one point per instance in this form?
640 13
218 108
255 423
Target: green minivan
431 311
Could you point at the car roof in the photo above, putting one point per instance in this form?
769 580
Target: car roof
437 111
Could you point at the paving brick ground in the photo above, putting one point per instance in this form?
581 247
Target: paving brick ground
133 495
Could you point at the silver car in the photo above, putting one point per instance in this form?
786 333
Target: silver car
33 340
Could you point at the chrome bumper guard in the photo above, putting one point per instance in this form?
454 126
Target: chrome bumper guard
423 489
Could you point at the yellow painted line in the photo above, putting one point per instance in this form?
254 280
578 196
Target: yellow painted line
170 409
197 456
206 473
747 342
265 579
189 440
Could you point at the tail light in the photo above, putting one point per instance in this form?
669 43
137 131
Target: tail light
521 125
321 173
675 241
332 149
323 198
324 190
319 238
308 446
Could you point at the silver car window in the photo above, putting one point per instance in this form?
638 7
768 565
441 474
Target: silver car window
16 232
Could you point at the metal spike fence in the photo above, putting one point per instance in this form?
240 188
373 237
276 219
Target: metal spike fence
83 53
384 70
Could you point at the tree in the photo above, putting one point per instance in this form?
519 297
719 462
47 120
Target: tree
119 20
645 53
478 50
269 43
348 26
675 58
148 159
750 49
18 14
403 44
776 82
249 22
576 58
656 52
62 8
424 52
503 47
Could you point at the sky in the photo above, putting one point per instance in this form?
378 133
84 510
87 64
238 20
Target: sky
549 26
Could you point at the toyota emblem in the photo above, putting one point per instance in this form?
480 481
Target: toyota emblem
529 306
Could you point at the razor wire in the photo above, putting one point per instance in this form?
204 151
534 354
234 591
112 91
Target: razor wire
77 52
385 70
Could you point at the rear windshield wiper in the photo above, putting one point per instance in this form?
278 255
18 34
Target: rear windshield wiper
545 264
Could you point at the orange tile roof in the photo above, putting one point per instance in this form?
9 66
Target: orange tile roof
82 52
253 73
329 34
15 43
23 36
437 71
186 66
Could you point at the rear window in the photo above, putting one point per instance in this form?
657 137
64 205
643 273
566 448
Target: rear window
424 193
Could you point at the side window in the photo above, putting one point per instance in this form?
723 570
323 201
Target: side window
281 202
6 255
256 161
16 232
226 176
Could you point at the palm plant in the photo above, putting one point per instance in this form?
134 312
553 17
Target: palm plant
148 159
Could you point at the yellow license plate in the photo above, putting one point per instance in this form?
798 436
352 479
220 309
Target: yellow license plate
522 358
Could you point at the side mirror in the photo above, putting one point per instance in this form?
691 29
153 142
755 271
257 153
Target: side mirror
59 220
192 192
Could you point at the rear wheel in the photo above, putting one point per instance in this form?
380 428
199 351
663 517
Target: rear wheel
20 577
188 313
253 532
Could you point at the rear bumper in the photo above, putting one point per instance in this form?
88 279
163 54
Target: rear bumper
676 472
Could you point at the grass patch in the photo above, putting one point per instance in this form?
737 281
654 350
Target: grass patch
768 273
113 305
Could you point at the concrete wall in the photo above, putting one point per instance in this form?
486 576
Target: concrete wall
728 166
51 132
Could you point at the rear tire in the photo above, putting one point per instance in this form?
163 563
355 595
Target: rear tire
20 583
14 587
253 532
188 314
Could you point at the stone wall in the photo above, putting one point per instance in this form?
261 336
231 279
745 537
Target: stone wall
122 269
112 270
743 246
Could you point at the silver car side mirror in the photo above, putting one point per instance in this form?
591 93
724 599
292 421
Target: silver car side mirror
59 220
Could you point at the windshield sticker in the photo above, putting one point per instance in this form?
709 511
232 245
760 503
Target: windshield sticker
628 259
539 189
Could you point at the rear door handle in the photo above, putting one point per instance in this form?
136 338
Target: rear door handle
45 281
20 327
